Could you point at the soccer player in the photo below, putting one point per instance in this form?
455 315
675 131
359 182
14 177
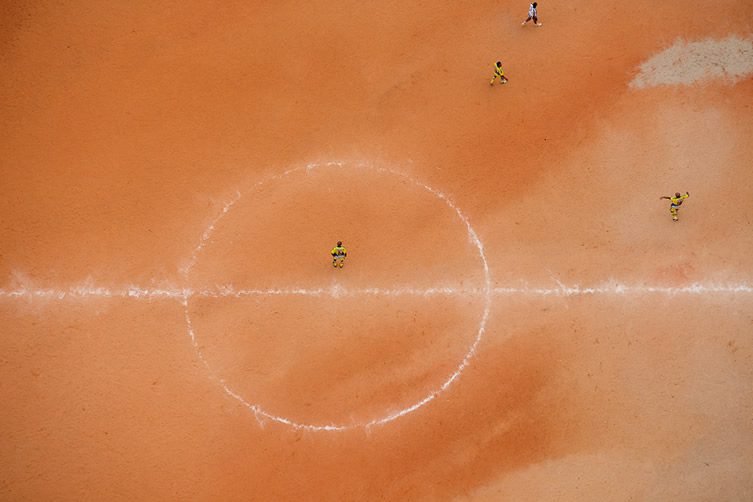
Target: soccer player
676 202
532 14
338 255
498 72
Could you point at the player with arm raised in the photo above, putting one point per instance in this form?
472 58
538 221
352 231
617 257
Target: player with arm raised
675 204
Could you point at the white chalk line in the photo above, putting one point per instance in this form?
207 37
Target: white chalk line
621 289
228 291
261 414
78 292
208 232
184 295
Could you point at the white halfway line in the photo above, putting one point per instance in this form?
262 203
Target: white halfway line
337 291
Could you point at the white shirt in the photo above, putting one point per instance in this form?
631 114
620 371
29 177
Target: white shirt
532 11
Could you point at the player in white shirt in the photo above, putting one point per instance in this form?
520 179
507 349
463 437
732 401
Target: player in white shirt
532 14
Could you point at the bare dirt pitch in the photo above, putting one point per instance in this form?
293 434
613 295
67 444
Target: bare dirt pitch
518 319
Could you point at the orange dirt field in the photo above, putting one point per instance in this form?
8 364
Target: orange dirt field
174 176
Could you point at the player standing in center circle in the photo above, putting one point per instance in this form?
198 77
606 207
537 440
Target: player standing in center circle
532 14
338 255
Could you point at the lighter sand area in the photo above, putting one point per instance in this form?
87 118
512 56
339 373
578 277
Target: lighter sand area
687 63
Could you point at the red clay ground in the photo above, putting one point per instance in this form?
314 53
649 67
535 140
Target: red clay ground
127 128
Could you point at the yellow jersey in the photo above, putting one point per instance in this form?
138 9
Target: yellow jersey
339 251
676 201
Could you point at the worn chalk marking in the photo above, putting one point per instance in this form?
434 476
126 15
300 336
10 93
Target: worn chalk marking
616 288
229 291
486 295
207 232
184 295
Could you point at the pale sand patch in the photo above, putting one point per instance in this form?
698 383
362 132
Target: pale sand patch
686 63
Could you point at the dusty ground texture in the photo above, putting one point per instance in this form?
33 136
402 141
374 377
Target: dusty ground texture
128 128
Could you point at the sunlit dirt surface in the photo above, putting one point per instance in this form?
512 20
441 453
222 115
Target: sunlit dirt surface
150 146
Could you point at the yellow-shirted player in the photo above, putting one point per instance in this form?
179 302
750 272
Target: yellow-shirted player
498 72
338 255
675 203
